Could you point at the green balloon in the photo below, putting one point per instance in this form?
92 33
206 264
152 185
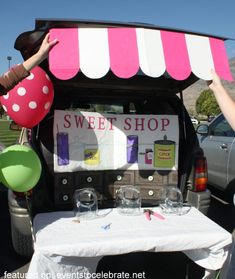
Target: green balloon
20 168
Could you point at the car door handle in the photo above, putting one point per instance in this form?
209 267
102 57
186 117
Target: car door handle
224 146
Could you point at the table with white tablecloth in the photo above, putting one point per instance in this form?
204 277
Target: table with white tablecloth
65 246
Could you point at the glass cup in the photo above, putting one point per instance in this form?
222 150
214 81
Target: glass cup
172 201
128 200
85 204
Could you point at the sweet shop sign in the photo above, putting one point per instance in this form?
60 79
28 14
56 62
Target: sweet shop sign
93 141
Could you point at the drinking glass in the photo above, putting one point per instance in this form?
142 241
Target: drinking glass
85 203
128 200
172 201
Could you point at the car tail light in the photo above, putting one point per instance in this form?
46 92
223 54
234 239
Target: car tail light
200 175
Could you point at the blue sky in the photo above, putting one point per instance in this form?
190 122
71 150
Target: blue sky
207 16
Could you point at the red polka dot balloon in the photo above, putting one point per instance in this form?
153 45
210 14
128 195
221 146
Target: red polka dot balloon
29 101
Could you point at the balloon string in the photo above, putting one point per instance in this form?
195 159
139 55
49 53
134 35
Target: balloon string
30 216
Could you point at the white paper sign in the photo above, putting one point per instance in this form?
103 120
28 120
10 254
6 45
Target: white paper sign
94 141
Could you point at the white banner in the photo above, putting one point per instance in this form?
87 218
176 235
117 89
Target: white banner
94 141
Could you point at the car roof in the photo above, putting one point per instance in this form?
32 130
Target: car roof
47 23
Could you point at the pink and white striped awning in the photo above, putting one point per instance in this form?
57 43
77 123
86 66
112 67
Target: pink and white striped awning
125 51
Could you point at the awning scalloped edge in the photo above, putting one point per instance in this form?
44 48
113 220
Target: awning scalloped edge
125 51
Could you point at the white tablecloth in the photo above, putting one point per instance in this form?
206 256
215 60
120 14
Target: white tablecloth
64 246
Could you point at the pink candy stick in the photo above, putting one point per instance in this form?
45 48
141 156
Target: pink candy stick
147 215
157 215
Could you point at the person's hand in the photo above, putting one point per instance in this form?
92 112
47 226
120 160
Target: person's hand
42 53
46 46
215 82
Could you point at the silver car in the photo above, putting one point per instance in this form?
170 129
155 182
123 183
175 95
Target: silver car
194 120
217 139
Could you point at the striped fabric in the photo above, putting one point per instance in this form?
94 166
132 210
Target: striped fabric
125 51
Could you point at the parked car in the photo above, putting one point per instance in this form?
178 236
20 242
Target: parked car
210 118
194 120
134 99
217 139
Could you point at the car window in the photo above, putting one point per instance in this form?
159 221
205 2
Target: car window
221 128
114 106
99 107
103 108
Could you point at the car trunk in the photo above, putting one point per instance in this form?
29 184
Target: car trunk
56 189
129 62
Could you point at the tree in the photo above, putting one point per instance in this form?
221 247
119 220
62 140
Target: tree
206 103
